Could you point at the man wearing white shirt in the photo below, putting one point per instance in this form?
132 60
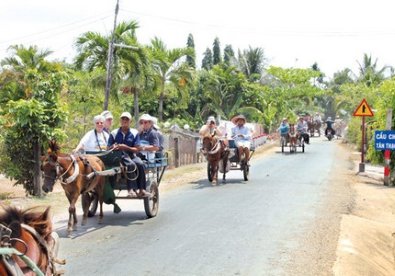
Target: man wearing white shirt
242 136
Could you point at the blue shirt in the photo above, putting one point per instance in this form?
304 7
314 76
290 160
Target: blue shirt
149 137
118 137
284 128
243 130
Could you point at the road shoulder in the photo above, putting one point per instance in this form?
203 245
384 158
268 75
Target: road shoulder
366 243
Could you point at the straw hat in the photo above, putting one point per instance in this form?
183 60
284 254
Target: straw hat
238 117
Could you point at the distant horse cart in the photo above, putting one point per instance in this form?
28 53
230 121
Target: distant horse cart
314 126
292 140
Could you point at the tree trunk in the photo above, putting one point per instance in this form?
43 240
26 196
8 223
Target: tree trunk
161 99
37 171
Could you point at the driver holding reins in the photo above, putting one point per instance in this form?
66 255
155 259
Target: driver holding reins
211 129
242 136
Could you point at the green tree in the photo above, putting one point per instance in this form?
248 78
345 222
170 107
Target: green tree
191 58
217 58
207 61
171 72
30 118
368 71
92 49
229 55
252 62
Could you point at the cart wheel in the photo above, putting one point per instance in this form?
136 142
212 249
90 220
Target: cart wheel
94 202
246 171
208 172
151 204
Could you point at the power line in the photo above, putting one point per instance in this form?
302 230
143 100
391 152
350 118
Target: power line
9 41
263 30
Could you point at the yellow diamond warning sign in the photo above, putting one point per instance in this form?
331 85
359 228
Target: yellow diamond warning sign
363 109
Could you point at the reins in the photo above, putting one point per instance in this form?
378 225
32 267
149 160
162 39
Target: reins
215 149
7 250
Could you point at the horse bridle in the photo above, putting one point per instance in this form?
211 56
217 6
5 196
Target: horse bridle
12 267
61 176
215 148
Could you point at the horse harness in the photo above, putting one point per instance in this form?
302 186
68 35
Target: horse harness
6 255
62 175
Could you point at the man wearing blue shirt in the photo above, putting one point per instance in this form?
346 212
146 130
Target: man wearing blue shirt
127 140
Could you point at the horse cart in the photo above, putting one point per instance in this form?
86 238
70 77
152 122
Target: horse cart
116 177
292 142
229 161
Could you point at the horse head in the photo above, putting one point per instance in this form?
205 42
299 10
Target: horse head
29 232
50 171
52 167
208 144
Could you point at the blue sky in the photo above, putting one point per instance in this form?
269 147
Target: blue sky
333 33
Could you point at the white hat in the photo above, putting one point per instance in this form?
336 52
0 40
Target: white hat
146 117
126 114
155 121
210 119
107 114
98 118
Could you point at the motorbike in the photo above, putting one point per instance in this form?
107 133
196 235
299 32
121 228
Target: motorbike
330 133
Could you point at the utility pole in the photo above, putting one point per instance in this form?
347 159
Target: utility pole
109 60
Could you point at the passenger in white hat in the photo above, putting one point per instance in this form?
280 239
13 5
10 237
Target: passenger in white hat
108 120
149 140
210 128
95 139
160 135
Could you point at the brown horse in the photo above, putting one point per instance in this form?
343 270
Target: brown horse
77 176
30 233
214 150
293 138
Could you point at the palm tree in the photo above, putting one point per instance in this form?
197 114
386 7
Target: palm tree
93 48
169 67
23 58
368 71
252 62
135 71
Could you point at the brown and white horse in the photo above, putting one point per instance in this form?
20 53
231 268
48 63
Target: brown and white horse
214 150
30 233
293 138
77 176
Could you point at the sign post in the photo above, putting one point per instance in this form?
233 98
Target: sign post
363 110
387 152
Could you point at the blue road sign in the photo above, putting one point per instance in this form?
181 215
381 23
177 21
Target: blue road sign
384 139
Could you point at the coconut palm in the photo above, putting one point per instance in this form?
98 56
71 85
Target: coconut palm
368 71
92 48
23 58
252 62
170 70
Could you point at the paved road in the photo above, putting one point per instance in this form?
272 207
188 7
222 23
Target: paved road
256 227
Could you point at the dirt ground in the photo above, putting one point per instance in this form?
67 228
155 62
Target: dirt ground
367 229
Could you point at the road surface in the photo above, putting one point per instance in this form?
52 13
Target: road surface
283 221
